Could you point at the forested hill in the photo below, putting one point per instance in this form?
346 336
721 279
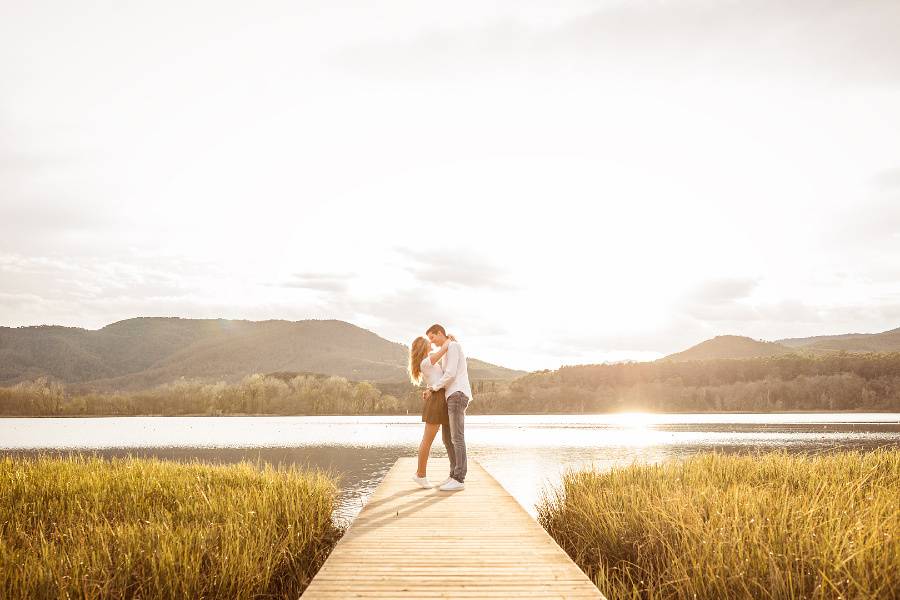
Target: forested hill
886 341
730 346
145 352
734 346
791 382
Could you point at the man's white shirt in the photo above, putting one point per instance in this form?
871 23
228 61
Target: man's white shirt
456 373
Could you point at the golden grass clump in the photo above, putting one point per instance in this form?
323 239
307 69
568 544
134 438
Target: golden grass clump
714 526
85 527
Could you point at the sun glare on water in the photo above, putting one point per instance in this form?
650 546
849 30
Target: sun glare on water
633 420
636 428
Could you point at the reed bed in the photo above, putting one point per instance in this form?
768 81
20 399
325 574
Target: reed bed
770 526
84 527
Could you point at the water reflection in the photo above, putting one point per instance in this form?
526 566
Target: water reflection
524 453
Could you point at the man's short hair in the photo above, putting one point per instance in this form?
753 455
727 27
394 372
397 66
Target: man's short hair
436 329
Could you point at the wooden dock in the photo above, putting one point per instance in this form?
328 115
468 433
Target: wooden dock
410 542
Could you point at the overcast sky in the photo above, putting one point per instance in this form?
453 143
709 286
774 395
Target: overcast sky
557 182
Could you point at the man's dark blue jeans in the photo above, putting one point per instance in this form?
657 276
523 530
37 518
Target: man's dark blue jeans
455 438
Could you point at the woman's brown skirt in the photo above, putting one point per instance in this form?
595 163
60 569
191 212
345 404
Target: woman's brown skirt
435 409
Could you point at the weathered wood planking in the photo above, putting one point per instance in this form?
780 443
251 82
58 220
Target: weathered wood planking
409 542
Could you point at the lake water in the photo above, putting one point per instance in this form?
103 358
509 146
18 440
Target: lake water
526 453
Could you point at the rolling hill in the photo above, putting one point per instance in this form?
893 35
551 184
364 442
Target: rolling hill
147 351
733 346
886 341
730 346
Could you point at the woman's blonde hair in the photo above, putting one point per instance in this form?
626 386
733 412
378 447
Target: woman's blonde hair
418 350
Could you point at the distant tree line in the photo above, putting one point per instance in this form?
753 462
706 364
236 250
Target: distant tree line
254 394
784 383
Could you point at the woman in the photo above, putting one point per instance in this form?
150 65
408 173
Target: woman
425 367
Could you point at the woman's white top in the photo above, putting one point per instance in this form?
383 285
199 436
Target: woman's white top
431 373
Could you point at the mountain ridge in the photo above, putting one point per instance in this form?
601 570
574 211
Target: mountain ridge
884 341
729 346
734 346
143 352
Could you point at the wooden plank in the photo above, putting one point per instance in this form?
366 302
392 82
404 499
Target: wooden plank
409 542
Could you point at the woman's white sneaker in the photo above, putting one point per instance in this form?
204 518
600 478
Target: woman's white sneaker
452 486
422 481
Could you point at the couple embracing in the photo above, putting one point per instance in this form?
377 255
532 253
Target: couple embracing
443 371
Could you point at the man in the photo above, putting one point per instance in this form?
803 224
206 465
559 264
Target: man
455 383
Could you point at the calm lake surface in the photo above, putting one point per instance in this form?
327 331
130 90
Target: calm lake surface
526 453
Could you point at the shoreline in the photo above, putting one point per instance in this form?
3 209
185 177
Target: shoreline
714 526
473 414
204 529
722 525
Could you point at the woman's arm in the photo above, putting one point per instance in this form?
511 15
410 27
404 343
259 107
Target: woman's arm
450 368
436 356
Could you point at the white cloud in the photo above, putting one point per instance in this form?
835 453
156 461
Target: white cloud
453 267
832 42
323 282
557 182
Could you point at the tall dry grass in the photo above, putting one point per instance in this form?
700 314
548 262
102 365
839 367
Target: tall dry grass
714 526
84 527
